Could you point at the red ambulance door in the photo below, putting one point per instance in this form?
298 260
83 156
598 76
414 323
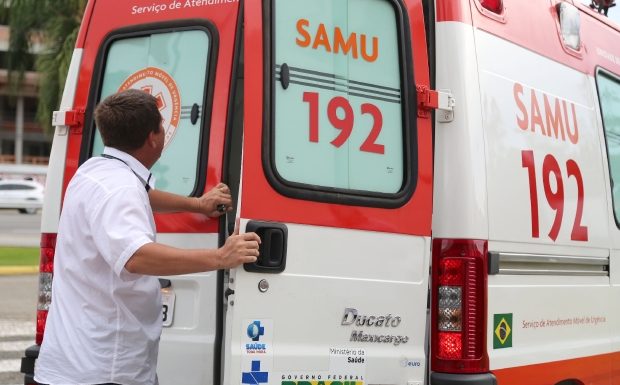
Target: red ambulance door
337 180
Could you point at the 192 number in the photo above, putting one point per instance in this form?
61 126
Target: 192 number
345 124
555 199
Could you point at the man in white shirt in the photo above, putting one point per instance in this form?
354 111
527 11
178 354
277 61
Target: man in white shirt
104 321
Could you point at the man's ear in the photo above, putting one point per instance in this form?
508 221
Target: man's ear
151 140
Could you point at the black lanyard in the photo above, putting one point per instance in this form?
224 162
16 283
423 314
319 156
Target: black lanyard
147 187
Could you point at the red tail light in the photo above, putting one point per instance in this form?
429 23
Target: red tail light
46 273
459 306
495 6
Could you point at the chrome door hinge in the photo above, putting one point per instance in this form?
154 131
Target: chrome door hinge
72 119
435 100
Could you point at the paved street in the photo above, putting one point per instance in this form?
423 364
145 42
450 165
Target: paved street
19 229
17 323
18 296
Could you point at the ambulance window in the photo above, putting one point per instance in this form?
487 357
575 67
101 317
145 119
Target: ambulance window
173 67
609 95
339 121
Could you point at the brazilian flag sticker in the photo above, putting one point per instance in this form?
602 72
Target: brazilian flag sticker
502 331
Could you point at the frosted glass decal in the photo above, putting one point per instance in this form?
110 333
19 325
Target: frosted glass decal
172 67
338 114
609 94
160 84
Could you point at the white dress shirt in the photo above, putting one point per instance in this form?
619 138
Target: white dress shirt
104 323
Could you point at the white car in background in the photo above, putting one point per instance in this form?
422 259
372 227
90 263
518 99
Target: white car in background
21 194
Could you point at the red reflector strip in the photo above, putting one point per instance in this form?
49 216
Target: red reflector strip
450 345
48 249
473 311
41 319
451 272
48 240
46 261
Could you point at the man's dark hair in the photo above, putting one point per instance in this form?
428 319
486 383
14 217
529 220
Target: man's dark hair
125 119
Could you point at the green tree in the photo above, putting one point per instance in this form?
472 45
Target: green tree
52 25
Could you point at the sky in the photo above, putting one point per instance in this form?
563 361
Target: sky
614 12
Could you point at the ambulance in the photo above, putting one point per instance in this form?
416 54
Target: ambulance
436 185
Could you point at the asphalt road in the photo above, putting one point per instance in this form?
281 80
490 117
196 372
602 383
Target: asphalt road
18 298
19 229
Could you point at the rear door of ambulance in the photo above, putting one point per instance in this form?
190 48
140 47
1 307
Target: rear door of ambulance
181 52
336 179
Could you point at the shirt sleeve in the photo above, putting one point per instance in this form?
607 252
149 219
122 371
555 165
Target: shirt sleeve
121 225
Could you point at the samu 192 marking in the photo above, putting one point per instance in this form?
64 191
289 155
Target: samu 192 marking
556 198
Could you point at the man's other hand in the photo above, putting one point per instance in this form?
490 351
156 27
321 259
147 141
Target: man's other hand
215 202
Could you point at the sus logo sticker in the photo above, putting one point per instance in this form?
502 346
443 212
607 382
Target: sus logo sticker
161 85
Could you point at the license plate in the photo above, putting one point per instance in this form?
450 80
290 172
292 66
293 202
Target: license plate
167 298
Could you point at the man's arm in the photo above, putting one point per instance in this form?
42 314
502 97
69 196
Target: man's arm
207 204
157 259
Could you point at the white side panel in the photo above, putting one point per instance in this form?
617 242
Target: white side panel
519 100
187 347
537 109
553 318
56 168
459 196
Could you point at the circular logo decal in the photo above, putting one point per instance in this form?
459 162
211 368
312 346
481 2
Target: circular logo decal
162 86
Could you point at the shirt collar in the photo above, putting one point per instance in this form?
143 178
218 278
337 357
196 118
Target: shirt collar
133 163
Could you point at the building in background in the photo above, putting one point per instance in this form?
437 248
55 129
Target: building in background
22 139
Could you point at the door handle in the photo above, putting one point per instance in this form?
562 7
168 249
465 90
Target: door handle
272 250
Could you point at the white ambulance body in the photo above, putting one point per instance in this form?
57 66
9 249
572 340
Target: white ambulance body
526 164
476 244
